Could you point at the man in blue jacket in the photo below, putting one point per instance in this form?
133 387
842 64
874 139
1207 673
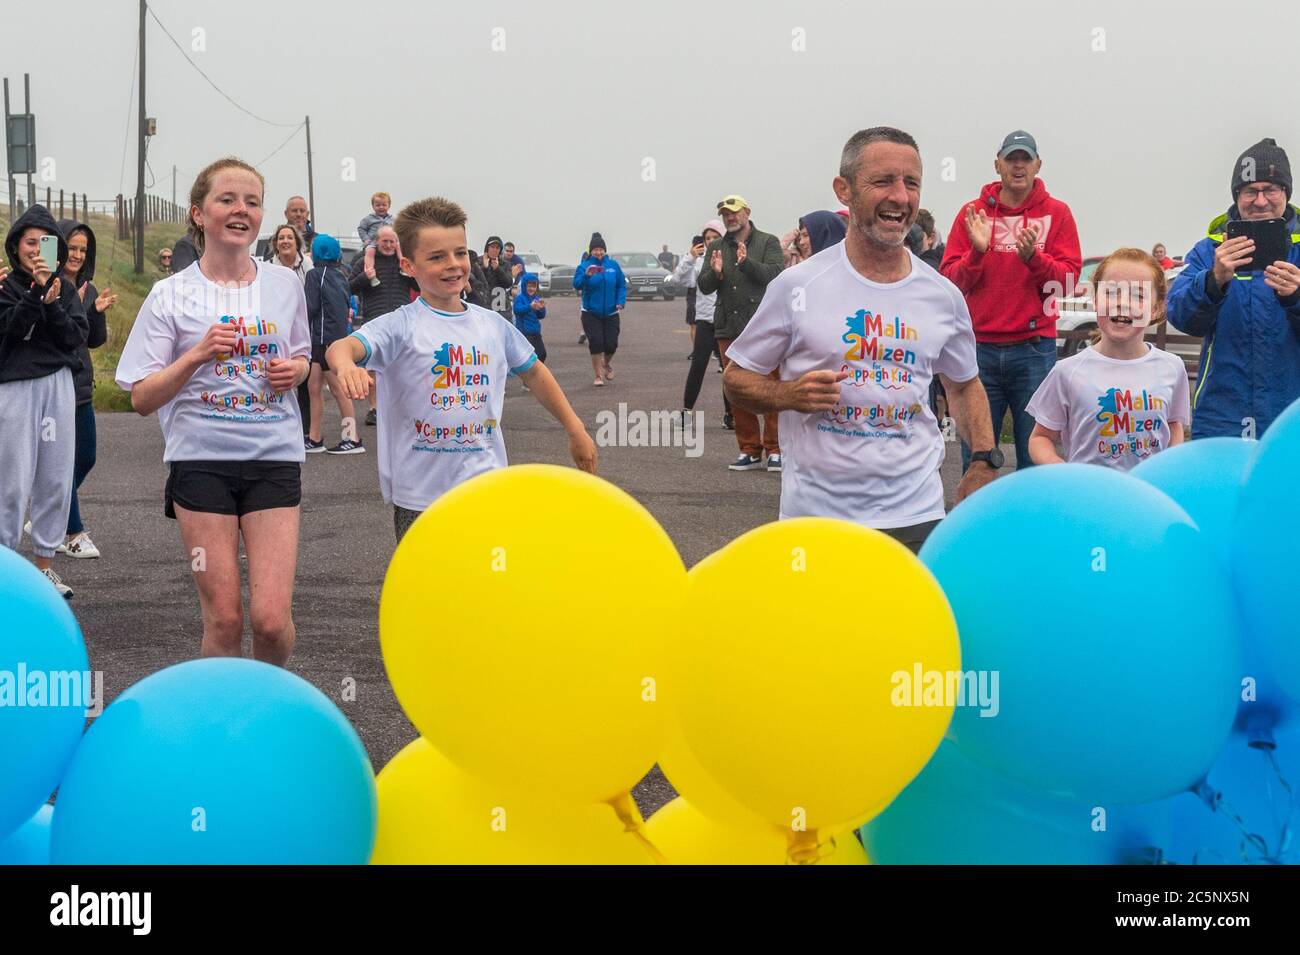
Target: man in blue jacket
1250 358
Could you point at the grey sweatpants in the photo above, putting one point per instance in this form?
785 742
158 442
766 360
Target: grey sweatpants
38 443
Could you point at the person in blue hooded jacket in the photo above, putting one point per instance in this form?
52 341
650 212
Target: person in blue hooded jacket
326 289
530 309
604 293
1250 356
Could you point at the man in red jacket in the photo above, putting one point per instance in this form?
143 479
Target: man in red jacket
1013 252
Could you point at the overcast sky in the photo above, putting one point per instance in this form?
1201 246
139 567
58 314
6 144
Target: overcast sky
634 119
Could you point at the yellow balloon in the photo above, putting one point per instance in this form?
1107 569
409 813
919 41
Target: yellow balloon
522 623
432 812
693 781
686 836
799 713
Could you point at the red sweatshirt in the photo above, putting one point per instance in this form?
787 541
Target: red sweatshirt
1009 300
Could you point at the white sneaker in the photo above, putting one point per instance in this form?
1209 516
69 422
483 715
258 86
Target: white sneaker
64 590
80 546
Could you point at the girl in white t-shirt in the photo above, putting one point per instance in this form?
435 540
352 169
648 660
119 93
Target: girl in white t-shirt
1122 400
217 350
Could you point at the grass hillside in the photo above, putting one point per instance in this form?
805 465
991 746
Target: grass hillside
114 266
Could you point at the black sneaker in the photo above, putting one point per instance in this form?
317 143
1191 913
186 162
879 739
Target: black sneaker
370 417
774 462
313 447
727 423
746 463
347 447
582 339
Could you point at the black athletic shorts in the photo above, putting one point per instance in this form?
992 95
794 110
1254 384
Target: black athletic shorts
318 356
232 487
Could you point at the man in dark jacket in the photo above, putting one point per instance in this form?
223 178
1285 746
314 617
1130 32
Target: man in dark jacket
497 270
1250 320
42 330
738 267
388 291
184 253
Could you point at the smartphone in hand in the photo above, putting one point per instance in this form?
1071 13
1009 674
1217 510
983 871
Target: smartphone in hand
1272 243
50 251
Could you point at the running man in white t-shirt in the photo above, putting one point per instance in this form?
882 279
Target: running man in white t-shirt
1121 401
442 365
858 332
218 351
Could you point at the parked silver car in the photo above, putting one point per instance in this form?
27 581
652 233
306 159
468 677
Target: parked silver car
646 278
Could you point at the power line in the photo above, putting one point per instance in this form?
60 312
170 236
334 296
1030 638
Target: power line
209 79
261 162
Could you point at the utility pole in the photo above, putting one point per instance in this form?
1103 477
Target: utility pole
311 185
9 159
139 165
27 108
173 184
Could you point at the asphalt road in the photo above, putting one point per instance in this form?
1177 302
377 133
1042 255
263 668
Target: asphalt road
137 605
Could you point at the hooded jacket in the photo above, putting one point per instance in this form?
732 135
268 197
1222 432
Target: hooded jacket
527 320
824 229
480 293
1008 299
741 287
327 293
605 289
38 339
97 323
1250 356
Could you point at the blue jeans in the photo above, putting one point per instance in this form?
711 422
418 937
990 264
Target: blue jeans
1010 376
83 462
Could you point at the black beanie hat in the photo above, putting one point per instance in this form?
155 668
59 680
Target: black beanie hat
1263 162
597 242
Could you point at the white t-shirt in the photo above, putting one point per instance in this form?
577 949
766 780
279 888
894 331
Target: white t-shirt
1113 411
227 410
441 379
875 458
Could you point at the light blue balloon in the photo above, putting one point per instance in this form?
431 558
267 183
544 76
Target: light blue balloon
1252 814
44 679
1204 477
218 761
1266 555
957 812
30 844
1109 623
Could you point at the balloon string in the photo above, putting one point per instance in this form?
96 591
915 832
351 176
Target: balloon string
1284 836
1253 839
625 808
806 849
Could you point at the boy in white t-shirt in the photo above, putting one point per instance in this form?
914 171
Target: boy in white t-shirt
1121 401
858 331
442 365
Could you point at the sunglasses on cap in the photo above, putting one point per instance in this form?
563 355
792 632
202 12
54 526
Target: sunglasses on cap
732 204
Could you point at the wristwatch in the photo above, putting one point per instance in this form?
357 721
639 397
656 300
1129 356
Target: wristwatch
992 458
